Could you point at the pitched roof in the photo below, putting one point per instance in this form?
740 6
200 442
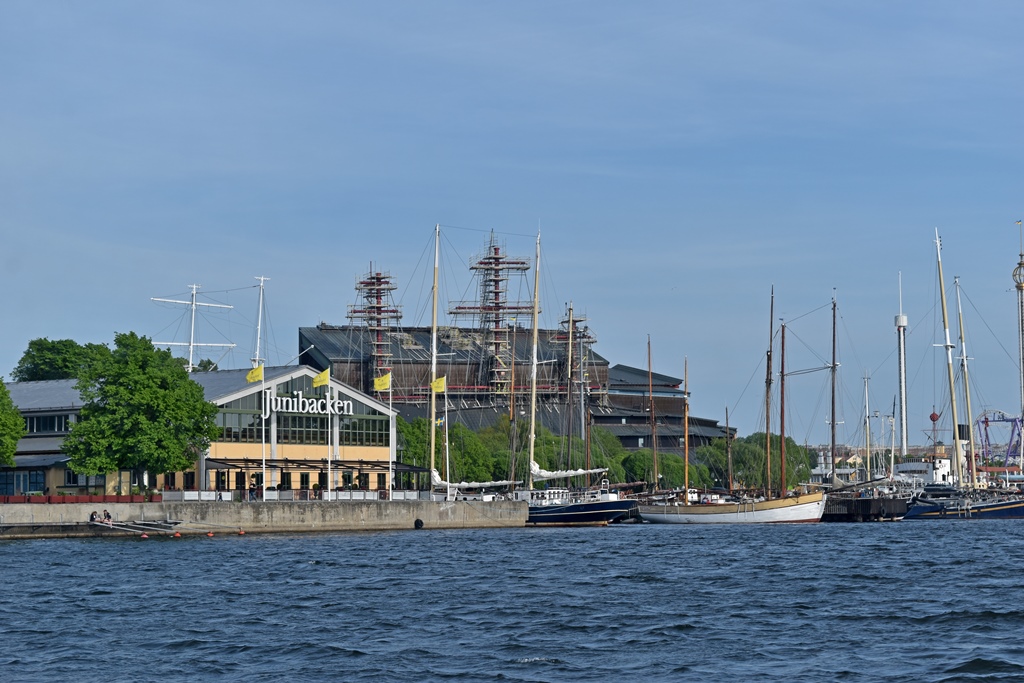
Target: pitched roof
351 343
624 374
54 394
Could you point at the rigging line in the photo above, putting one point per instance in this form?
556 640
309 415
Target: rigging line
805 345
418 310
804 315
989 328
484 230
849 337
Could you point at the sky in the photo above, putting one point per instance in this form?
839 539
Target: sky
679 160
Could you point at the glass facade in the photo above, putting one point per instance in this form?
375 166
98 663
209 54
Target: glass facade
20 482
241 421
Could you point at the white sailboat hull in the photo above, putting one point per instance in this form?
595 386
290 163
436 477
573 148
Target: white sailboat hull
793 509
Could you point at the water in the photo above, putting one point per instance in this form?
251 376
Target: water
910 601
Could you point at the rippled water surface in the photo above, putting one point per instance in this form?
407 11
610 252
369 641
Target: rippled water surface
909 601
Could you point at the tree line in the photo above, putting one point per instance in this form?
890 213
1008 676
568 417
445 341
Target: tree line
141 411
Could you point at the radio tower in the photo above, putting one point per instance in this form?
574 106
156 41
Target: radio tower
901 347
377 312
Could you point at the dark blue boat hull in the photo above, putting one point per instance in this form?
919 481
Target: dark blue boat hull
998 509
590 513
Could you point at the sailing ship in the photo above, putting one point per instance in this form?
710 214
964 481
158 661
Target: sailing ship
564 506
732 508
957 498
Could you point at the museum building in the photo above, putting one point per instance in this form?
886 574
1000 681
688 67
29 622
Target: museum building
302 439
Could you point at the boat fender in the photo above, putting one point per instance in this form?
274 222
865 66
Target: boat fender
418 524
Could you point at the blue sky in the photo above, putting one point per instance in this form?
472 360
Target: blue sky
679 160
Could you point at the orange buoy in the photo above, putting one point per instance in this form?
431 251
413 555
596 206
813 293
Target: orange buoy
144 536
210 534
241 532
177 534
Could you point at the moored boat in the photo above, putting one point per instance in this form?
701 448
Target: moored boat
806 507
563 507
940 501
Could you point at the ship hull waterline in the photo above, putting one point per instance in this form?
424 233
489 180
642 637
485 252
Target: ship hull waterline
791 510
589 513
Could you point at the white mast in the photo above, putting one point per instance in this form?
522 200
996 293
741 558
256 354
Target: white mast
533 365
867 430
901 346
433 349
256 358
967 386
958 467
192 331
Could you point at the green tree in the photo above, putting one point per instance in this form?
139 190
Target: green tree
12 427
58 359
205 365
140 411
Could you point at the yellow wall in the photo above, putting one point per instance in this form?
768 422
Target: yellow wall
298 452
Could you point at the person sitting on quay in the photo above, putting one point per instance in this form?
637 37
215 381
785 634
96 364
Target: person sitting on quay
107 518
94 517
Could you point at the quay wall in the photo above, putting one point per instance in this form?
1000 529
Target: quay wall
28 520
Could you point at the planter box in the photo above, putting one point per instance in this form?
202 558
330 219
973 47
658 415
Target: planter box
55 499
156 498
17 499
137 499
38 499
94 499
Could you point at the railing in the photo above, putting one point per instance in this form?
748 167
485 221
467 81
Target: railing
291 495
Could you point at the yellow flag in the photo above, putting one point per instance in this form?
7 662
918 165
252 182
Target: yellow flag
322 379
255 375
438 385
382 383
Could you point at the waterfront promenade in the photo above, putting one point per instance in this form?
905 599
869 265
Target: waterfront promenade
42 520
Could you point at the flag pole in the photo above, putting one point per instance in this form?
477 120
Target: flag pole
330 444
391 446
263 437
447 459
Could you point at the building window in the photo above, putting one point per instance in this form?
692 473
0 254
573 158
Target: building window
21 482
286 480
190 480
382 481
304 480
46 424
71 478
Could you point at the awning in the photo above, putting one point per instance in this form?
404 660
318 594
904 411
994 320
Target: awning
37 461
311 465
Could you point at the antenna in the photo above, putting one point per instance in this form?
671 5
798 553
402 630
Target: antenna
256 359
192 344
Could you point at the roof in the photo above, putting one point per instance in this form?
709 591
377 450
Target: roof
220 383
351 343
219 386
23 461
54 394
624 374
